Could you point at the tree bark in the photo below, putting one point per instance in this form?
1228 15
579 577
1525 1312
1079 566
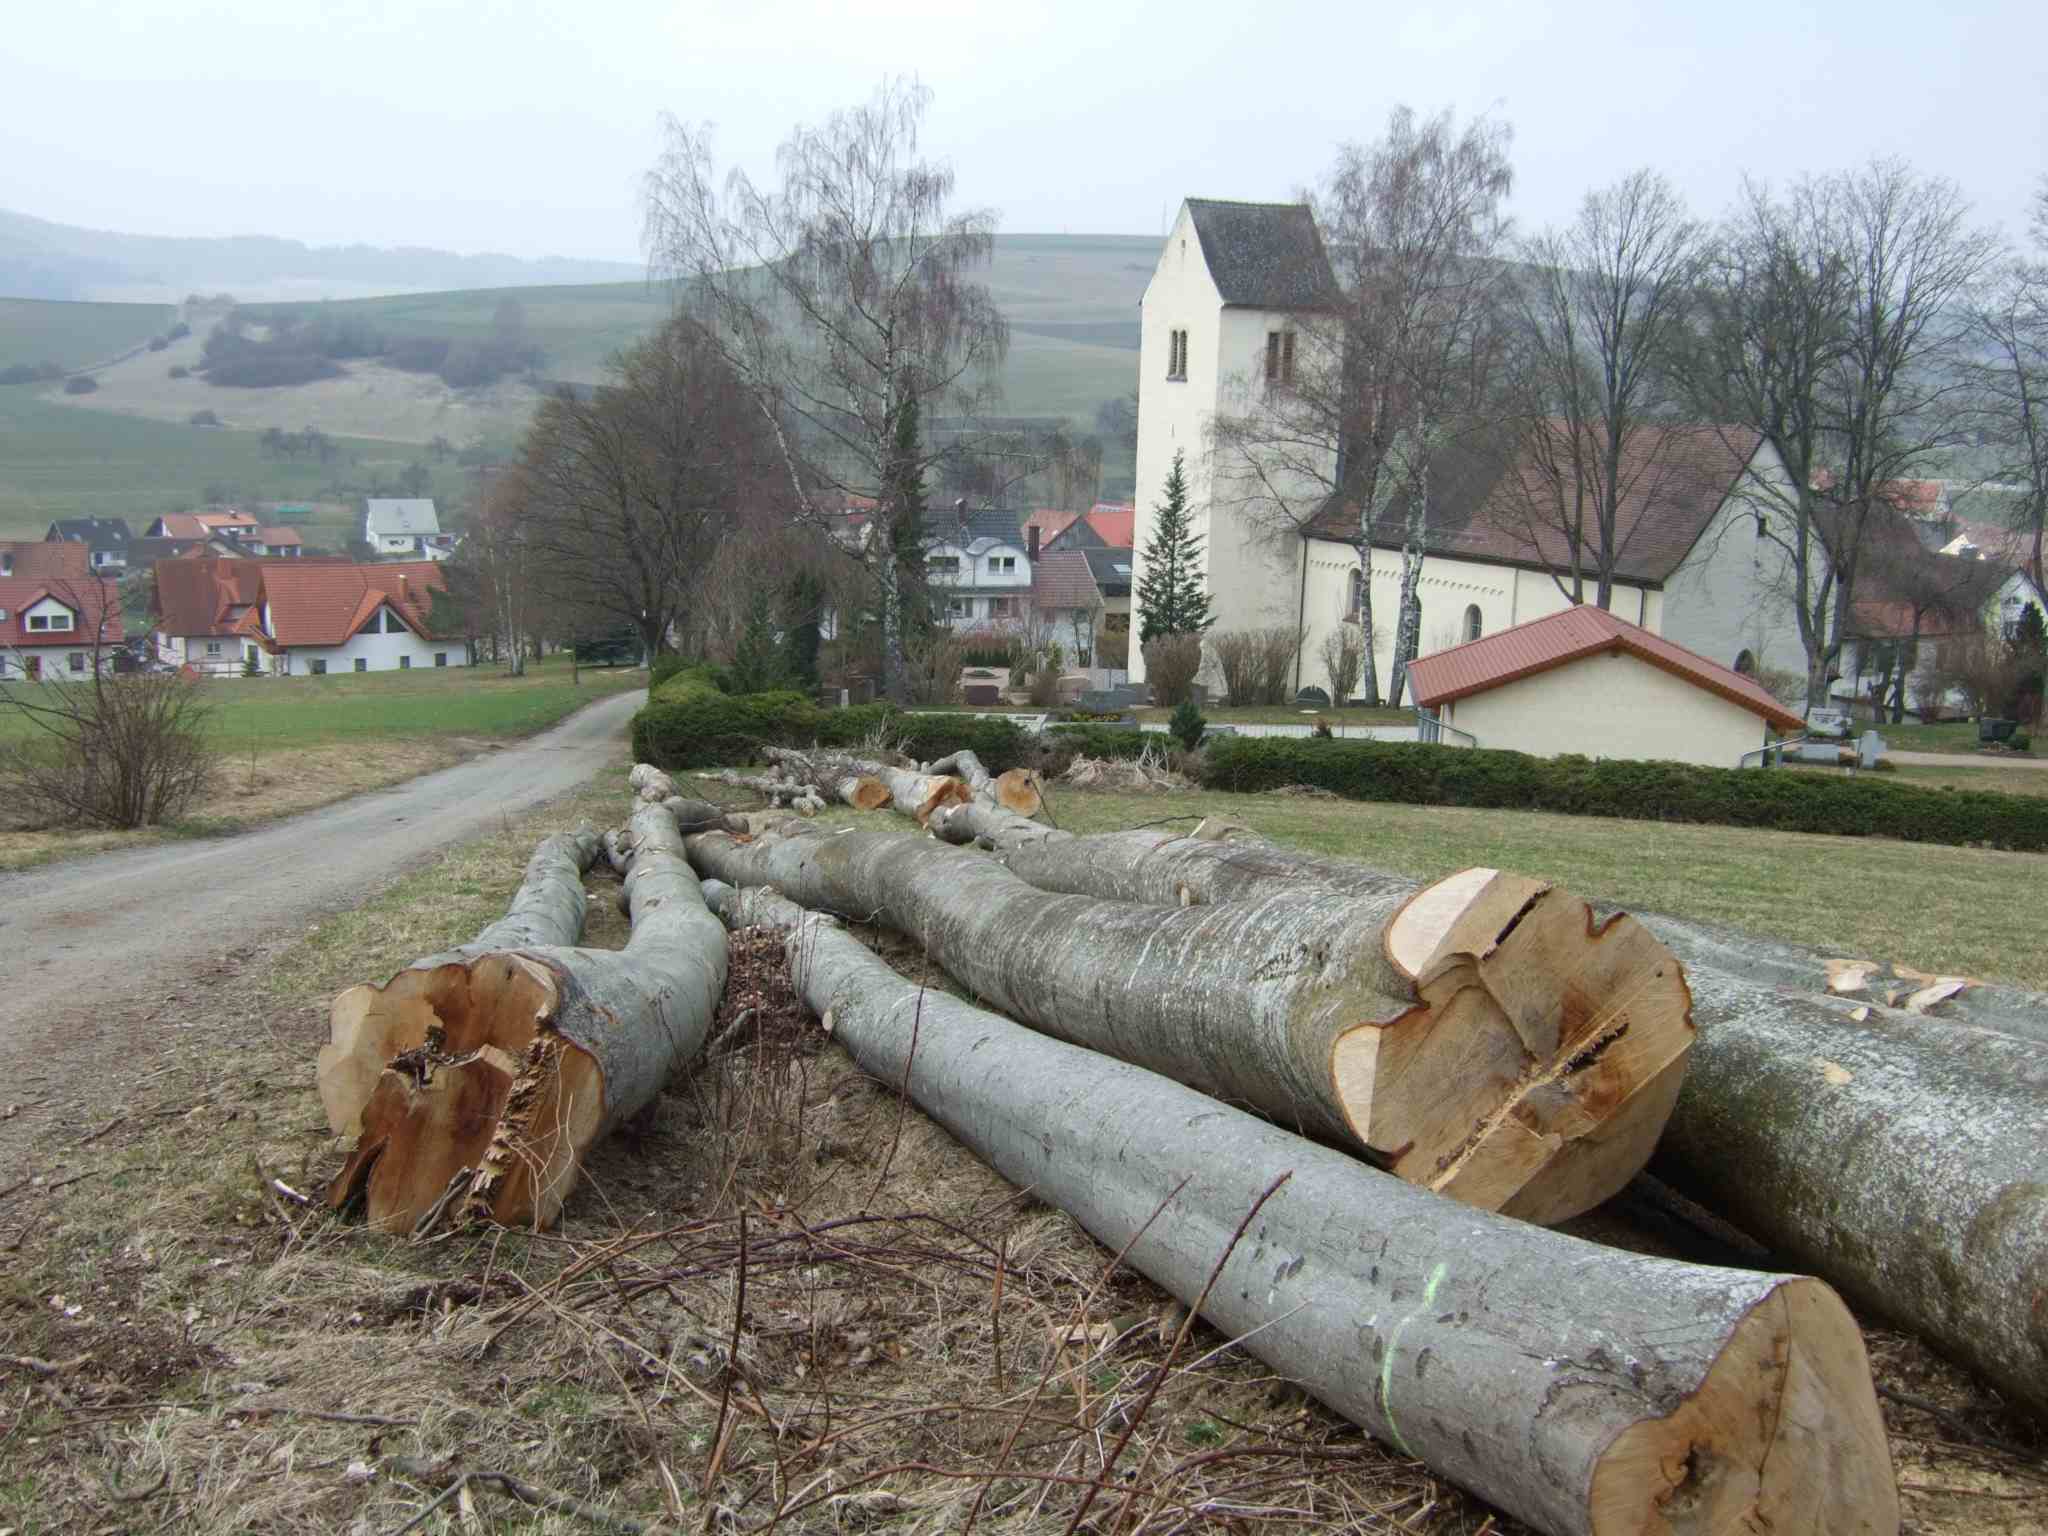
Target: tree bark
1906 1167
1015 789
1480 1036
490 1074
1578 1388
1232 863
916 792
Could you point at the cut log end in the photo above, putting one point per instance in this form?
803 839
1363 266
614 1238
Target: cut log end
942 792
1542 1060
1783 1434
473 1085
1019 790
865 793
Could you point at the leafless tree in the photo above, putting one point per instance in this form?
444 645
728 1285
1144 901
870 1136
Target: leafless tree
1910 592
498 549
1396 366
1600 309
842 297
1343 655
1830 329
2009 329
629 488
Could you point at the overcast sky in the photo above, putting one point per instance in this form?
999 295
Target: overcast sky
523 126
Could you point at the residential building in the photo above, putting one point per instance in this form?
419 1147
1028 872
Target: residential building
1585 681
978 566
106 539
229 532
53 626
59 560
408 526
315 618
197 609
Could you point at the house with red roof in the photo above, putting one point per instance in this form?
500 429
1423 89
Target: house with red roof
316 618
196 609
1586 681
53 626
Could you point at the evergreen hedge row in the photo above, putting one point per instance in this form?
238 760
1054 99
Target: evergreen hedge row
1777 799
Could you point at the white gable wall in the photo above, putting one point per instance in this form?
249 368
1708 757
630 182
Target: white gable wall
1611 705
1731 593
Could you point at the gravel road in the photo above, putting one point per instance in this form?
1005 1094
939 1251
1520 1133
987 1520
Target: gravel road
80 939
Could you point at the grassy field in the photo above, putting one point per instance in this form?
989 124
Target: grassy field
59 461
292 744
1958 736
76 335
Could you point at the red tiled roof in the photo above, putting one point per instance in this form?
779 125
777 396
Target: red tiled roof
93 603
1049 522
278 536
196 525
193 595
1062 579
1482 507
56 559
1572 635
320 605
1117 522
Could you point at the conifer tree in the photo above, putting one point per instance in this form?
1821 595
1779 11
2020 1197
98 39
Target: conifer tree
1171 597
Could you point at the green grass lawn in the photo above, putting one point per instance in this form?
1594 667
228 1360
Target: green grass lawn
1959 736
1940 909
76 335
60 461
282 713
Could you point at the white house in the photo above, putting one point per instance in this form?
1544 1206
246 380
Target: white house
978 566
1584 681
51 628
315 619
395 526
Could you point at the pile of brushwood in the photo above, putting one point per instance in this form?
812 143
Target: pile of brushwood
1334 1112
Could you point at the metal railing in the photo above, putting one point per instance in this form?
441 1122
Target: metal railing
1431 728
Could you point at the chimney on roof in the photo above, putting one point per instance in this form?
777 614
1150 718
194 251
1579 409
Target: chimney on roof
960 512
1031 543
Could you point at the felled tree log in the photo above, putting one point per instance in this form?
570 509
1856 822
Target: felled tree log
799 796
1171 868
1900 1160
1480 1036
1580 1389
493 1074
701 815
913 791
1016 789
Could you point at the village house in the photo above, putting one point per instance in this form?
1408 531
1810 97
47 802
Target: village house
1583 680
405 526
105 538
316 618
978 566
195 608
228 532
53 625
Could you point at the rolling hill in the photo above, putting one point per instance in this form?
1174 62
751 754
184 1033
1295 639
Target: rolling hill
128 449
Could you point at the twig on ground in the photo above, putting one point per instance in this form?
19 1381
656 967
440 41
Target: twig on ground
96 1135
1955 1424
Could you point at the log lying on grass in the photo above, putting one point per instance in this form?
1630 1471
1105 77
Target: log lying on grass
1581 1389
1480 1036
482 1080
1016 790
1175 868
1905 1162
913 791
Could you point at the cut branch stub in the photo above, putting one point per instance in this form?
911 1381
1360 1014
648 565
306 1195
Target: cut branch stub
1482 1037
494 1073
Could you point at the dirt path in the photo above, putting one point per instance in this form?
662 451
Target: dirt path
80 940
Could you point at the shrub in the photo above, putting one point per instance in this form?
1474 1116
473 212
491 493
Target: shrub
1187 725
158 343
30 373
109 751
1278 647
935 659
662 669
1344 661
2020 741
1171 663
692 725
1100 740
81 384
180 371
1237 656
1782 800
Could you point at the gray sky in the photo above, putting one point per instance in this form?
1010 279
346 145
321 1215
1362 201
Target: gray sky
523 125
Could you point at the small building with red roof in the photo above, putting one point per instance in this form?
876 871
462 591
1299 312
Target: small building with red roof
1586 681
52 626
315 618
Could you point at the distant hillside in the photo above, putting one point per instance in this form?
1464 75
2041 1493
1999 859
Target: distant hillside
41 260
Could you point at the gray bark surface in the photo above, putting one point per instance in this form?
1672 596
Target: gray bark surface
1575 1387
1529 1074
1917 1185
548 907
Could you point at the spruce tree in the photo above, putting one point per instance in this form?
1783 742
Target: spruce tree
1171 597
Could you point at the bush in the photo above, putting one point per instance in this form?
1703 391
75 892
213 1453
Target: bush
690 724
158 343
109 752
81 384
1187 725
30 373
1171 662
1781 800
180 371
935 659
1238 657
203 419
1101 740
664 668
1344 661
1278 647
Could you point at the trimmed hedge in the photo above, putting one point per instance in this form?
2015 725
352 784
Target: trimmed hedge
1085 740
688 723
1776 799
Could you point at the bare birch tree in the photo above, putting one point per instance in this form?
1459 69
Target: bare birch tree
1832 331
1395 367
1600 309
842 296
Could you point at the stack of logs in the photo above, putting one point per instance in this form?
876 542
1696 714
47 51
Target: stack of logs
1179 1020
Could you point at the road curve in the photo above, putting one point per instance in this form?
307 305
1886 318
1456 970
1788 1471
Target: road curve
94 932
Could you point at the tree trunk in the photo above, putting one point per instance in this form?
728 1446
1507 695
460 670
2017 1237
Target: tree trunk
1015 789
1369 668
492 1074
1578 1388
1906 1168
1221 861
916 792
1480 1036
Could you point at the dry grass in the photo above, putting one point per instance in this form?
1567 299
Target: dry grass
907 1314
281 782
